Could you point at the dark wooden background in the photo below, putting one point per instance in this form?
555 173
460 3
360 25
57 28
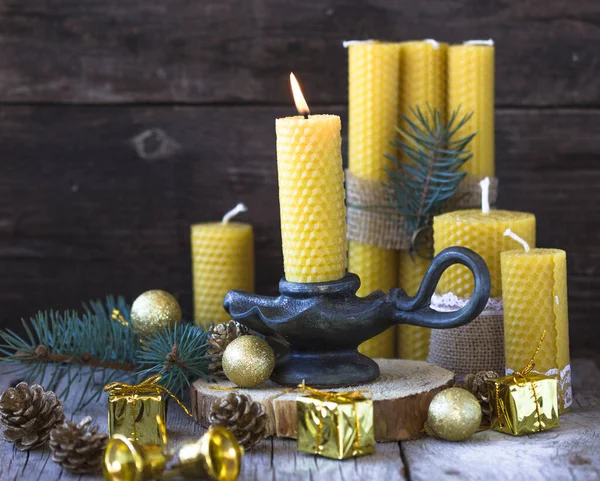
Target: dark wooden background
122 122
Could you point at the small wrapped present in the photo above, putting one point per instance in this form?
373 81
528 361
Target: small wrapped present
139 412
336 425
524 402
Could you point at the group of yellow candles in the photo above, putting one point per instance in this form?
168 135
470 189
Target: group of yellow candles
311 197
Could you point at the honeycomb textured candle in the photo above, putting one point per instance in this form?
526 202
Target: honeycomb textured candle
373 90
483 233
423 67
311 198
534 286
373 264
471 87
412 342
222 259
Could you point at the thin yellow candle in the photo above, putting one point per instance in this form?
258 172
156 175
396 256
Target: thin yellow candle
222 260
481 230
413 341
373 94
422 84
311 194
534 289
471 87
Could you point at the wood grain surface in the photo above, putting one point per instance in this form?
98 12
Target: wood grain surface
569 452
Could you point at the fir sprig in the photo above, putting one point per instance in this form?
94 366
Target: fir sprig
178 353
99 346
428 174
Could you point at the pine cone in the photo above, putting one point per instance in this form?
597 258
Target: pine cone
78 447
219 337
245 418
29 413
477 385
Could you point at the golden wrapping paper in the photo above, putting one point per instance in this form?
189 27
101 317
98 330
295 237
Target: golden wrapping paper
336 425
523 404
139 411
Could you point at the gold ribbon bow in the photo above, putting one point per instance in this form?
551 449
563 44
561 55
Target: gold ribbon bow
120 388
520 378
344 396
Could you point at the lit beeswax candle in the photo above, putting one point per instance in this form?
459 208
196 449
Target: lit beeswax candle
422 84
471 87
311 194
534 290
222 259
482 231
373 97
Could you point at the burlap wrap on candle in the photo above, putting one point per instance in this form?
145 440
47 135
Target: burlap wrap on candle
477 346
373 220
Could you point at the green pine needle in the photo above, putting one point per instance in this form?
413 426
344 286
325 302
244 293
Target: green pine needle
179 353
100 346
429 173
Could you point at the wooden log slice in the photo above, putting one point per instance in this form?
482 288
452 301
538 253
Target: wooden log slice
401 397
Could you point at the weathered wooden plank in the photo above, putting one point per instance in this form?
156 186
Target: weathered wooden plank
97 200
568 452
234 50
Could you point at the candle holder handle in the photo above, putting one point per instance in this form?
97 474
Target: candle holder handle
325 322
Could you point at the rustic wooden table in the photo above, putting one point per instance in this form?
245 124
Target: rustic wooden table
569 452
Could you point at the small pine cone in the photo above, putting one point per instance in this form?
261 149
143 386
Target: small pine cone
29 413
78 447
219 337
477 385
245 418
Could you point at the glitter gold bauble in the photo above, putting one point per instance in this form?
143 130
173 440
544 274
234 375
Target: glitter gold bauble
454 415
248 361
154 310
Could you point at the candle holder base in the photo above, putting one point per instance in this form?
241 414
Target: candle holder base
324 323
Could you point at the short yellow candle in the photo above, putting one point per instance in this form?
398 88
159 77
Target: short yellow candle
311 195
222 260
471 87
534 289
423 66
373 97
413 341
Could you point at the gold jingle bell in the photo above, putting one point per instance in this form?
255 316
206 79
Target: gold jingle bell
216 455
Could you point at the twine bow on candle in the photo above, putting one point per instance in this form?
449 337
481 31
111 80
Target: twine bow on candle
520 379
338 397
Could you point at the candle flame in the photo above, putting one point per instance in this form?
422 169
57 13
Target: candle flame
301 104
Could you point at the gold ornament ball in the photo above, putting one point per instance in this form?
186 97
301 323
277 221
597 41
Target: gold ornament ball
248 361
454 414
153 311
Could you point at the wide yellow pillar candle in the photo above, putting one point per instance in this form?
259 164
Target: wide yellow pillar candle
222 260
483 233
311 196
471 87
373 97
534 287
422 84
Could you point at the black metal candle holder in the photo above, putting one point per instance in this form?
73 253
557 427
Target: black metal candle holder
325 322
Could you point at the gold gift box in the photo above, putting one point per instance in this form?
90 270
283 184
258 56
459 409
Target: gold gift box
335 425
134 415
523 404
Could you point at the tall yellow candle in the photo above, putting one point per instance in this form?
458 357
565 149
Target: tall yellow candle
471 87
534 289
422 84
373 96
222 260
311 195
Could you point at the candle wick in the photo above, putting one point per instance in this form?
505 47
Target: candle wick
485 195
434 43
520 240
238 209
305 115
